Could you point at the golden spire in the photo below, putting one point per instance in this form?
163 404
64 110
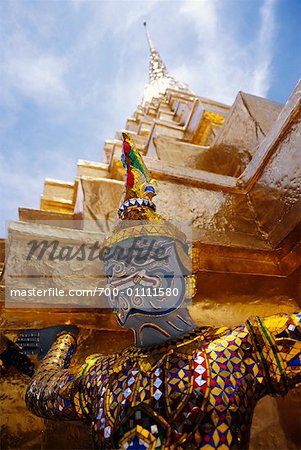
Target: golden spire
157 68
159 79
150 42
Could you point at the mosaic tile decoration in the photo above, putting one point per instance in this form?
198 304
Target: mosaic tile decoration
196 392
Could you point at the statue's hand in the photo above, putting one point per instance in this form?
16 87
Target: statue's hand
13 356
39 341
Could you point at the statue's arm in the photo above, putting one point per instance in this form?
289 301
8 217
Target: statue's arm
55 389
277 340
53 386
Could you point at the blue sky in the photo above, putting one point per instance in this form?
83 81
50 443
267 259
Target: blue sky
73 71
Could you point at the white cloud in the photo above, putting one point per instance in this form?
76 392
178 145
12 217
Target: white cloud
41 78
224 64
31 65
266 35
204 14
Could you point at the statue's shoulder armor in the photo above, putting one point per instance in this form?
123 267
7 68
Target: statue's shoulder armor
277 340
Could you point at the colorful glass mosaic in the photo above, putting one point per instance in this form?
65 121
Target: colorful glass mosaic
198 391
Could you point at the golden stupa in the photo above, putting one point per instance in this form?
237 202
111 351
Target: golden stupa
233 172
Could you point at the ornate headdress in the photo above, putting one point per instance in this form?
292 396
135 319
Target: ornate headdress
139 189
137 211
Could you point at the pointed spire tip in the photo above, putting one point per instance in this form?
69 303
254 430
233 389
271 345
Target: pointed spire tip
151 45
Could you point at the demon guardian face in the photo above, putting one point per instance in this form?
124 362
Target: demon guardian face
145 278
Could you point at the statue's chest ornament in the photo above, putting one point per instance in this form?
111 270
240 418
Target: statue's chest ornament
153 400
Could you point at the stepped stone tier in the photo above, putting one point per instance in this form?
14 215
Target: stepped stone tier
234 173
